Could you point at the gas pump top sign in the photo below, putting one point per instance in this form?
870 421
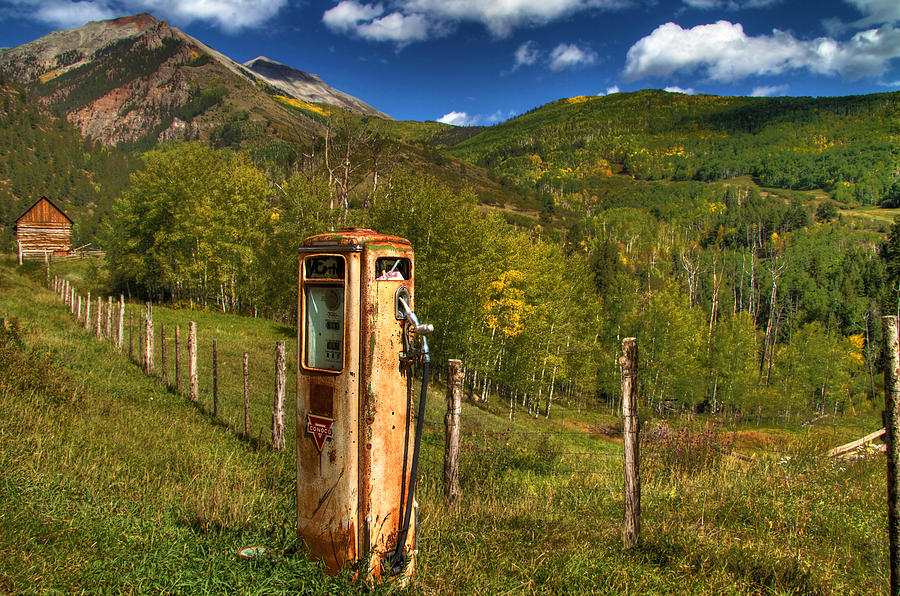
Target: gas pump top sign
325 267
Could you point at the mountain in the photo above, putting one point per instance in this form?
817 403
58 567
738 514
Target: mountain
136 80
308 87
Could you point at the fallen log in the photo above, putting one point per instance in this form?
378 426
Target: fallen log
854 444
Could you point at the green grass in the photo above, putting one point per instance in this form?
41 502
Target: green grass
112 483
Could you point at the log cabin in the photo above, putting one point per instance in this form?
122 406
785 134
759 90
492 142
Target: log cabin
44 229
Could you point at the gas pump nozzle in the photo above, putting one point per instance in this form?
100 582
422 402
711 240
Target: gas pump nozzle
419 329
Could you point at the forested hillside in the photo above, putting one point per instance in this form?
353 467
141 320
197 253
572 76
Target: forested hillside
45 155
845 145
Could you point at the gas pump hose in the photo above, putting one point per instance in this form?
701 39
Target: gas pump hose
399 559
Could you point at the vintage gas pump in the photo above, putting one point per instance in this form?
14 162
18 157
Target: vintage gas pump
356 450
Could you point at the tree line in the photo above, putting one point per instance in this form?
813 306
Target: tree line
741 302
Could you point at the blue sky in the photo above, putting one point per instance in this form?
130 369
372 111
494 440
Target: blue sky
483 61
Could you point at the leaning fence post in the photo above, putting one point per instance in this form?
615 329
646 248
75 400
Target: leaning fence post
451 422
192 362
246 395
278 409
631 529
890 418
215 375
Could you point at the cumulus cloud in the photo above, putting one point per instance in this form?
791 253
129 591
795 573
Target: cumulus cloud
437 17
876 12
725 53
457 119
729 4
395 27
769 91
675 89
68 15
464 119
229 15
346 16
610 90
568 55
526 55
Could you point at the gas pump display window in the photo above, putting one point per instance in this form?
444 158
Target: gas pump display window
391 269
324 306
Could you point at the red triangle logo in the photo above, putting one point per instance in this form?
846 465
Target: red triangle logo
320 428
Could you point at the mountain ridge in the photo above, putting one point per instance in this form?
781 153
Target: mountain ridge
137 79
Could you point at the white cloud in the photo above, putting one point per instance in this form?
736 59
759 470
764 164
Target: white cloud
501 17
568 55
890 84
457 119
876 12
499 116
464 119
68 15
769 91
674 89
610 90
346 16
395 27
428 18
526 55
229 15
725 53
729 4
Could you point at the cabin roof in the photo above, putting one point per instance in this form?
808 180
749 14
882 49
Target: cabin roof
52 204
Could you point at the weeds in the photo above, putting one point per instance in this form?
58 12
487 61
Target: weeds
683 451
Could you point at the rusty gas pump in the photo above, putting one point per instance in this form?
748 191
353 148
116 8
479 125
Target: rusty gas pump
357 450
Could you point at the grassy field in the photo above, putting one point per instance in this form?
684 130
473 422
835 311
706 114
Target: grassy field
112 483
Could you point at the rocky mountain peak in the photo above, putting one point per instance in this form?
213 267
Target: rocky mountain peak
307 86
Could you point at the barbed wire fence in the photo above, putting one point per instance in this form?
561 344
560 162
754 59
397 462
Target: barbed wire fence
218 383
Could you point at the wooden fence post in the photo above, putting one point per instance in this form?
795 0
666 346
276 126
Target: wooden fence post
148 341
246 395
177 360
109 318
278 409
120 335
78 315
131 335
87 312
192 362
215 375
451 423
142 325
99 321
164 374
891 418
631 529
